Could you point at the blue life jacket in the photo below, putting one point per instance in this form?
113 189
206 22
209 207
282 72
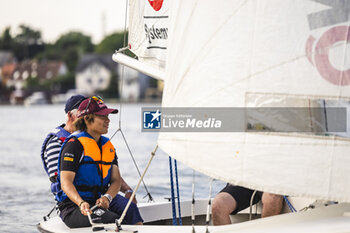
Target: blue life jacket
62 134
94 173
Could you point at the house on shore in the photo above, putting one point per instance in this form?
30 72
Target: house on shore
36 70
94 73
15 75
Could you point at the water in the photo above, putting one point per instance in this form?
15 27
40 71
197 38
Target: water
24 187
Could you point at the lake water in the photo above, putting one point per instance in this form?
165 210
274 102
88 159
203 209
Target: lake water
24 187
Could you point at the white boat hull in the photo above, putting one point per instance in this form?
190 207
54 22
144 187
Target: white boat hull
334 218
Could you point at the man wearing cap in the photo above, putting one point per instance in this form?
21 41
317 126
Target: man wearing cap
88 171
54 140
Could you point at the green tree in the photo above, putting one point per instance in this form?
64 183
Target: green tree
50 53
33 84
75 40
28 35
6 40
111 43
28 43
71 57
57 84
71 47
61 83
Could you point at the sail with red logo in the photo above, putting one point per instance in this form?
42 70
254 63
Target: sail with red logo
277 54
255 54
148 36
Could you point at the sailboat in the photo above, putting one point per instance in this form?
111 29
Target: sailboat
253 54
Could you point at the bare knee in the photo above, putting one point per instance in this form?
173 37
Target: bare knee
271 199
223 204
272 204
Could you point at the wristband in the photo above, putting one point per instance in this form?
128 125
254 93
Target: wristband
109 197
81 203
129 191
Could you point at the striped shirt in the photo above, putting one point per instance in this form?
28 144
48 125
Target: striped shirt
51 153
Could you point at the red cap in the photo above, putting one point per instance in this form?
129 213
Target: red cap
95 106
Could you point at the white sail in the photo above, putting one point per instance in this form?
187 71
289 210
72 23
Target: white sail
229 54
148 32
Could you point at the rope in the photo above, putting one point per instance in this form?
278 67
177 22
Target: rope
122 70
209 205
178 192
193 202
251 205
47 217
150 198
172 191
120 220
291 207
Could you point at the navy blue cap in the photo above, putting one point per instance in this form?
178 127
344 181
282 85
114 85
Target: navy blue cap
73 102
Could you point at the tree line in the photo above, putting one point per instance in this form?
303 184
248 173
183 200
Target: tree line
28 44
69 47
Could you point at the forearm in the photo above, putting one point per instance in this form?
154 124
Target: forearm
124 186
114 188
116 181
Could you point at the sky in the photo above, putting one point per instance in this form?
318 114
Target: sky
56 17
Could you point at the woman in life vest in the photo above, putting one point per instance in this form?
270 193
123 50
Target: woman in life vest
88 171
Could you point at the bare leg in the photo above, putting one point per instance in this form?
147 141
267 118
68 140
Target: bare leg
222 207
272 204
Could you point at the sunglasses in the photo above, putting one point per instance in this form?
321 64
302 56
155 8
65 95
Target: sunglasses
96 98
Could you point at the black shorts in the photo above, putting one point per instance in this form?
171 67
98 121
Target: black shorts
71 215
242 196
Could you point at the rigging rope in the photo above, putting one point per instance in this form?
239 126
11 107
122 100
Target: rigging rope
120 220
122 71
172 191
193 202
291 207
150 198
209 205
173 207
47 217
178 192
251 205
